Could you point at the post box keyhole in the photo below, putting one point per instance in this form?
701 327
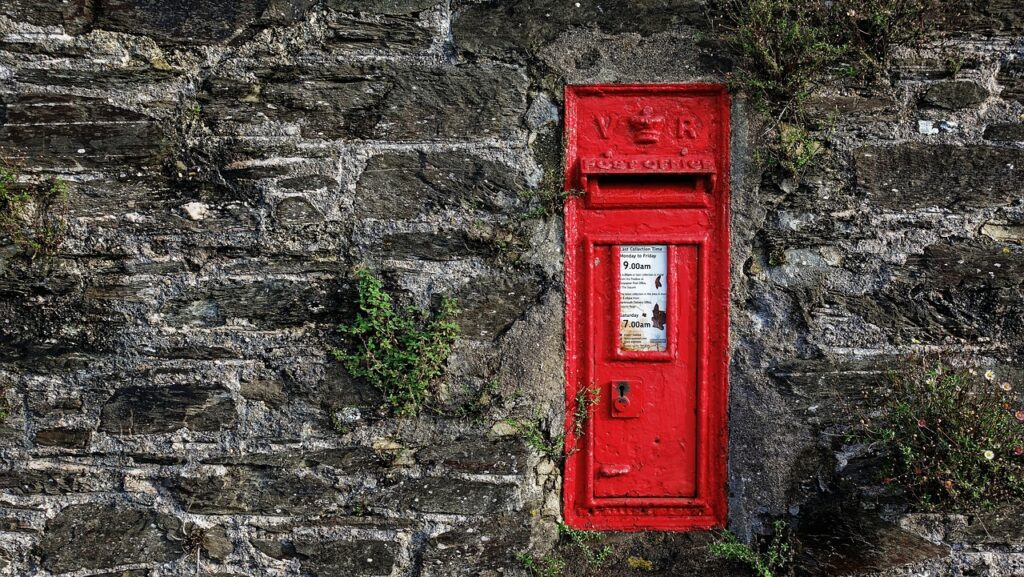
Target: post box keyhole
625 398
623 391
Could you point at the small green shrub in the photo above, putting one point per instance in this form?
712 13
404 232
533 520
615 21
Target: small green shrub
401 353
585 399
797 150
581 540
776 560
786 49
546 566
554 564
33 216
548 199
551 447
951 438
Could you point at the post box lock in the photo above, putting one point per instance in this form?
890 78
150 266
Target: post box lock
647 293
625 401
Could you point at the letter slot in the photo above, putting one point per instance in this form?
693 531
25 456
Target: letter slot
647 290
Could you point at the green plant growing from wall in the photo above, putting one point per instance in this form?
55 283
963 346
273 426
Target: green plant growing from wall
579 542
400 352
582 540
951 438
546 566
787 49
551 447
585 399
33 215
774 561
547 199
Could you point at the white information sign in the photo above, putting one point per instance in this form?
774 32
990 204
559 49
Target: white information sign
643 279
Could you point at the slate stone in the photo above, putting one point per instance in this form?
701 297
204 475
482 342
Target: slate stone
274 548
284 12
438 103
59 131
308 183
390 7
355 557
1011 78
392 25
326 103
66 438
36 12
268 391
41 482
1004 231
336 389
488 305
987 17
296 210
435 246
126 573
180 22
989 529
483 456
96 536
101 79
511 29
914 175
45 319
951 265
1005 132
267 304
467 551
371 101
450 496
149 410
953 289
837 389
856 543
955 94
256 491
216 543
350 460
398 185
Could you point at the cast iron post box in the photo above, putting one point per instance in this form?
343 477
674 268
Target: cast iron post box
647 293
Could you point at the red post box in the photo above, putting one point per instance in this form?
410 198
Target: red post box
647 296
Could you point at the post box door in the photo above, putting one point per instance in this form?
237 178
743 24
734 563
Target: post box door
647 289
645 433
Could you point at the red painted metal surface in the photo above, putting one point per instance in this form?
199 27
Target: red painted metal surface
652 162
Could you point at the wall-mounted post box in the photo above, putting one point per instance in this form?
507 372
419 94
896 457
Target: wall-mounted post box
647 293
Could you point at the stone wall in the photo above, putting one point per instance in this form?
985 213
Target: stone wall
172 397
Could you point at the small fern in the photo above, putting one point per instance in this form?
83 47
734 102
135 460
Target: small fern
401 353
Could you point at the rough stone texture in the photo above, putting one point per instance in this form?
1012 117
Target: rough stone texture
916 175
142 410
168 372
334 557
1005 132
96 536
1011 78
516 29
955 94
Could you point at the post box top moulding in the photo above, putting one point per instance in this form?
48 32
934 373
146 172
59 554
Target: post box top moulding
645 128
